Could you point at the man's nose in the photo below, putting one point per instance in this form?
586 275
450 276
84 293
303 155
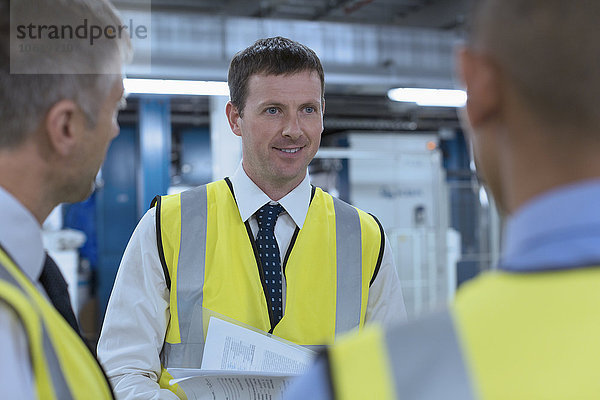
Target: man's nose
292 128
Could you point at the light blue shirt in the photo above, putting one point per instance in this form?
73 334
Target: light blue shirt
21 238
557 230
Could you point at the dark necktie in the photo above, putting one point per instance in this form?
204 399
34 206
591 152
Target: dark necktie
56 288
268 251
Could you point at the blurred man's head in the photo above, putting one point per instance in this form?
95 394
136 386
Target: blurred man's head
276 107
59 96
530 64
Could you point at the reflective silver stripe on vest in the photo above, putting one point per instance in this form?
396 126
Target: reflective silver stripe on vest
349 267
190 281
427 360
58 379
59 384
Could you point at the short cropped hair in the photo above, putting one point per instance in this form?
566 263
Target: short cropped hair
270 56
84 75
550 50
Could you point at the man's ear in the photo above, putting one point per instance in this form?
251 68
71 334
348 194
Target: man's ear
482 80
63 122
233 116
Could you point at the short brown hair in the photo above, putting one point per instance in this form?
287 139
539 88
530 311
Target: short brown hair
270 56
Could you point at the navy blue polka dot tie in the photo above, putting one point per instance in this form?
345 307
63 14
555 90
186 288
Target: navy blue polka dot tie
268 251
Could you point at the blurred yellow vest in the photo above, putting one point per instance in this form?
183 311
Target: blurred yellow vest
517 336
63 367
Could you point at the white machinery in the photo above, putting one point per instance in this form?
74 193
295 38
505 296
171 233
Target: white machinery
400 179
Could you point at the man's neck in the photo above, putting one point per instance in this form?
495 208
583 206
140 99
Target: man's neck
23 177
275 190
536 166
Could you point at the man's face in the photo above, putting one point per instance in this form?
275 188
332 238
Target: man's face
95 142
280 128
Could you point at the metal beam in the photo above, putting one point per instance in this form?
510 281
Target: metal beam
154 149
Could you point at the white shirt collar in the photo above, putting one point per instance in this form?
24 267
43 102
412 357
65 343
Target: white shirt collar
250 197
21 235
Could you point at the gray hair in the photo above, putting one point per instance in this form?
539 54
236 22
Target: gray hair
35 78
551 51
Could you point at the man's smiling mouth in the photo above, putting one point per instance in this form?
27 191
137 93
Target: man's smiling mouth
294 150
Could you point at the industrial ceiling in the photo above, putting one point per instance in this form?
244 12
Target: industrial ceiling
433 14
366 46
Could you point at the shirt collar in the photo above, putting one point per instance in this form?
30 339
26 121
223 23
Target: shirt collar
250 197
559 228
21 235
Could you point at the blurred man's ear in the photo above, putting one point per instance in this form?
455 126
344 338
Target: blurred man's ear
233 116
63 122
480 76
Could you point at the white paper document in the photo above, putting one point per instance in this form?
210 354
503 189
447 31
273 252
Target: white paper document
242 363
230 347
231 385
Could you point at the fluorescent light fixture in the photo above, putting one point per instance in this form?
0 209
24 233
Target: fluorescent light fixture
429 97
175 87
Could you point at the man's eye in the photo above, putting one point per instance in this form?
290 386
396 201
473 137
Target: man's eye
272 110
310 110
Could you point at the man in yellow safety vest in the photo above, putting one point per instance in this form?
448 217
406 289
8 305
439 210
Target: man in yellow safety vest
262 247
59 97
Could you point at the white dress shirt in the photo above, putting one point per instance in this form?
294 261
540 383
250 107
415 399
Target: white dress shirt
138 311
21 237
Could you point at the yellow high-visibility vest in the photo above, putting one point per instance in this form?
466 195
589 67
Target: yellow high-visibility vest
63 367
518 336
209 255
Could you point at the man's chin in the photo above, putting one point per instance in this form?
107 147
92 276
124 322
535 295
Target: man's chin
291 175
77 194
